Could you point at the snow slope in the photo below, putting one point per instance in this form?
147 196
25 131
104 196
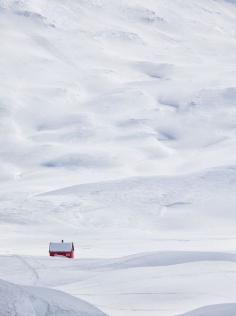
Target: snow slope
117 132
97 90
26 301
157 283
214 310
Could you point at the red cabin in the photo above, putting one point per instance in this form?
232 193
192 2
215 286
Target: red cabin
65 249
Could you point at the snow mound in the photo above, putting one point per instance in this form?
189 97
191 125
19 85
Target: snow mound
161 203
214 310
32 301
167 258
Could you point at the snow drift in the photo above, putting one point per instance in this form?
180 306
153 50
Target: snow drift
214 310
117 132
18 300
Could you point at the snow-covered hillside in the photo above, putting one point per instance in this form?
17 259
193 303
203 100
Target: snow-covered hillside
117 132
104 89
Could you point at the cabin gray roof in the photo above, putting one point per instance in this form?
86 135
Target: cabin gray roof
61 246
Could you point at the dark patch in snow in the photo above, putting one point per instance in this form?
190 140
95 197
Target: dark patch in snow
169 102
33 16
178 204
154 70
75 161
166 136
141 14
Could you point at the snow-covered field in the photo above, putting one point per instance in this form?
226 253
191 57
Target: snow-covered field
117 132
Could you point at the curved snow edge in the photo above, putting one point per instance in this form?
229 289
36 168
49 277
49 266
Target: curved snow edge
16 300
214 310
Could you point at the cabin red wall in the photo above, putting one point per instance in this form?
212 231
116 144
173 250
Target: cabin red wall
64 254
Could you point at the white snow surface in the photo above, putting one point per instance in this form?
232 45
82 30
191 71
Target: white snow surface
214 310
18 300
117 132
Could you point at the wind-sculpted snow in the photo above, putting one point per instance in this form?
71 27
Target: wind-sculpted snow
32 301
165 283
169 258
214 310
162 203
117 132
84 69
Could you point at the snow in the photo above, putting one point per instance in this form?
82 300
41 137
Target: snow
18 300
214 310
168 283
117 132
